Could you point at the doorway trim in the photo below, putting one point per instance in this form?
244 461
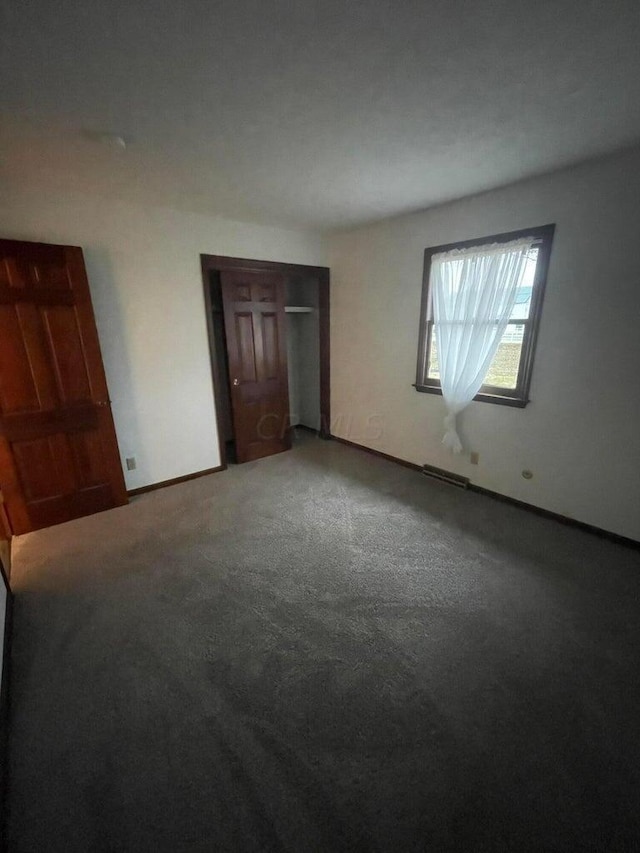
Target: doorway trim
220 263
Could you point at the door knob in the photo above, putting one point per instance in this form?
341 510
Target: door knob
236 381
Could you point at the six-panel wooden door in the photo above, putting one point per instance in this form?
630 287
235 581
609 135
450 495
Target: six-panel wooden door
59 456
254 319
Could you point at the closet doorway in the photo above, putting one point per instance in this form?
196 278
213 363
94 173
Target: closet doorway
268 327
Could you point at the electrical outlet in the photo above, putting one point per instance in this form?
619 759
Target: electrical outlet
131 463
474 457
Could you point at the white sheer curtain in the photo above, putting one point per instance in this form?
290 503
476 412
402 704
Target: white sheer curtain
473 292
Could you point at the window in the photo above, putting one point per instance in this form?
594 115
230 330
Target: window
508 378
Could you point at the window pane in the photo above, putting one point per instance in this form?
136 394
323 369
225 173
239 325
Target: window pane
523 294
503 372
434 368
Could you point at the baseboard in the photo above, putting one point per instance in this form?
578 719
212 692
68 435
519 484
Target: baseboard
306 428
4 710
378 453
152 488
472 487
5 556
6 649
555 516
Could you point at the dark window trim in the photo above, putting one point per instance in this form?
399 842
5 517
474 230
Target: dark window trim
519 396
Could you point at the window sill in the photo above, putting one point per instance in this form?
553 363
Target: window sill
482 397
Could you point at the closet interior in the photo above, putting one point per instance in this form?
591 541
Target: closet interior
302 307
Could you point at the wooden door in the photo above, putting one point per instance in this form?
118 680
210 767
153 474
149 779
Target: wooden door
5 539
59 456
254 321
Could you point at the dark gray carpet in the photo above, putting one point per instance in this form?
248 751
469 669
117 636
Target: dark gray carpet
323 651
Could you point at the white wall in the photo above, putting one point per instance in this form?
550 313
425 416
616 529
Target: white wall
143 265
580 435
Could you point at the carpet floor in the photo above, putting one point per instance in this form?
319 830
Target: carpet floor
323 651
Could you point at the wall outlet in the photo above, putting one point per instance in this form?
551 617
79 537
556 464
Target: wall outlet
131 463
474 457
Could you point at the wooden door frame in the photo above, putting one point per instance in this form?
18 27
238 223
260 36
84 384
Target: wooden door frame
220 263
6 537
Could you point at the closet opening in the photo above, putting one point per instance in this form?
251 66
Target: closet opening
268 326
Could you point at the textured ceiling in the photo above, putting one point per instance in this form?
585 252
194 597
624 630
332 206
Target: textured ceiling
313 113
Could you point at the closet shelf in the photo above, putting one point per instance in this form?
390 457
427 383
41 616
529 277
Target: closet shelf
297 309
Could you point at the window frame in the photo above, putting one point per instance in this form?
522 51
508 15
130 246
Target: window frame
542 237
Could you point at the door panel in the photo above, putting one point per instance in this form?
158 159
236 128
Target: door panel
59 457
65 345
18 392
255 322
270 346
246 345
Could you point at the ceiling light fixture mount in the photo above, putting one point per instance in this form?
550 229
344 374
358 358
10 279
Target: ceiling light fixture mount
108 138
